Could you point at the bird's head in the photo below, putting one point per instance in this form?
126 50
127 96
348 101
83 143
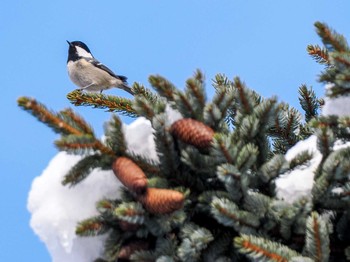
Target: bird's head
78 49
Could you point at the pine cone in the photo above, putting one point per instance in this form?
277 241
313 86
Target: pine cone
161 201
126 251
130 174
193 132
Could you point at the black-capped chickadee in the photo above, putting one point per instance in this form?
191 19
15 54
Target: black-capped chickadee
88 73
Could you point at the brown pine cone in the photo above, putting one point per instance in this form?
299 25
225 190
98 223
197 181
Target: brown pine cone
193 132
161 201
126 251
130 175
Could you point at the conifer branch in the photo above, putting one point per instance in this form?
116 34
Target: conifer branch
284 128
265 250
220 95
73 143
274 167
103 149
115 137
144 107
147 103
186 107
309 102
228 214
226 171
141 91
246 245
194 238
221 80
247 157
84 167
320 55
317 239
58 122
293 119
199 76
79 121
148 166
111 103
218 110
106 206
212 116
343 60
300 159
47 117
196 86
332 40
246 106
91 227
197 91
265 111
131 212
325 140
163 86
165 145
82 143
113 245
222 147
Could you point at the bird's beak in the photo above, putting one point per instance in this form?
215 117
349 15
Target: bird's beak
69 43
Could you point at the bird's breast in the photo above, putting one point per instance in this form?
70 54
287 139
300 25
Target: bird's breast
83 74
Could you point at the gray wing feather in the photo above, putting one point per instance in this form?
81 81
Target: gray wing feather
105 68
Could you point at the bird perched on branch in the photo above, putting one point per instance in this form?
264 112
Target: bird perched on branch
88 73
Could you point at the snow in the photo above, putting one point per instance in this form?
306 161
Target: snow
139 138
339 106
298 183
56 209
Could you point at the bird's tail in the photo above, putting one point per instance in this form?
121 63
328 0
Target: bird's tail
126 88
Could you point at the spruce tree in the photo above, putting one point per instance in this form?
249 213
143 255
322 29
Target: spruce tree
212 194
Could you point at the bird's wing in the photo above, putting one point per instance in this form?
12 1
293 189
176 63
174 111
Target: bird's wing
105 68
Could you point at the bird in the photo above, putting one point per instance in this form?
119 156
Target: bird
88 73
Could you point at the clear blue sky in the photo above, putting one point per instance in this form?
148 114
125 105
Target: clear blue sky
263 42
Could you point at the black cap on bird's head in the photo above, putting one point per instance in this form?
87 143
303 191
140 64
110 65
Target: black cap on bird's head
78 49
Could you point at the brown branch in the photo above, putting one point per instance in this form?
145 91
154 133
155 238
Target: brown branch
97 145
78 120
317 239
244 101
112 103
186 103
193 86
273 256
47 117
328 36
58 124
233 217
225 152
320 55
342 60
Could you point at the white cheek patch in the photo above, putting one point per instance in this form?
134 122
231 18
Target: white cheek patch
81 52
